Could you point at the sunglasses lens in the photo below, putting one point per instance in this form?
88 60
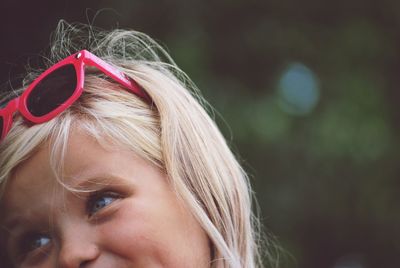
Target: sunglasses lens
52 91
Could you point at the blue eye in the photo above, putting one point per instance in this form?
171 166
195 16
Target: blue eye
32 242
98 201
40 241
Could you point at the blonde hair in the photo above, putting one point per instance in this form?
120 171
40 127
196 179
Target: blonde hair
174 132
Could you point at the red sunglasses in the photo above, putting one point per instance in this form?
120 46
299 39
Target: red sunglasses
58 88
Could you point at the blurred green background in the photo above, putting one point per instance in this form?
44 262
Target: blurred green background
308 93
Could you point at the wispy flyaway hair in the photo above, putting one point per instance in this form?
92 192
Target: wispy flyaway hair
173 131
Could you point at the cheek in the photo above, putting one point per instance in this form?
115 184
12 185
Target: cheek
152 237
130 234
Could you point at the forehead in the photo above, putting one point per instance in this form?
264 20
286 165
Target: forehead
34 184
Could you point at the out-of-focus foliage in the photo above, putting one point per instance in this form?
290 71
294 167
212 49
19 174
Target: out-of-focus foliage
309 90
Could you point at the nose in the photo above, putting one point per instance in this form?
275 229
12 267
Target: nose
78 249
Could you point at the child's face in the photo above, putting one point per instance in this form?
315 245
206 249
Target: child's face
126 214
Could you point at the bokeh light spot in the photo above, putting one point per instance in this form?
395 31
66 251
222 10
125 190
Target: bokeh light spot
298 90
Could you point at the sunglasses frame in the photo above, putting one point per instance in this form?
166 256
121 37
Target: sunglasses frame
79 60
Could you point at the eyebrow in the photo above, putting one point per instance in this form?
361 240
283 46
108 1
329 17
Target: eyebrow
95 181
12 223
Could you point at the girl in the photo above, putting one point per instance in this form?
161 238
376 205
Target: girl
108 159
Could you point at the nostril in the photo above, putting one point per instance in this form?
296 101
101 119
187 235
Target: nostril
83 264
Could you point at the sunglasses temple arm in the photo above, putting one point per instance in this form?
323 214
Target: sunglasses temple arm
9 110
118 76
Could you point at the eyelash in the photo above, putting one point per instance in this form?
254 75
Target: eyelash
27 247
94 197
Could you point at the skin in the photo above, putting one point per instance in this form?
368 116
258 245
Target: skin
125 214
